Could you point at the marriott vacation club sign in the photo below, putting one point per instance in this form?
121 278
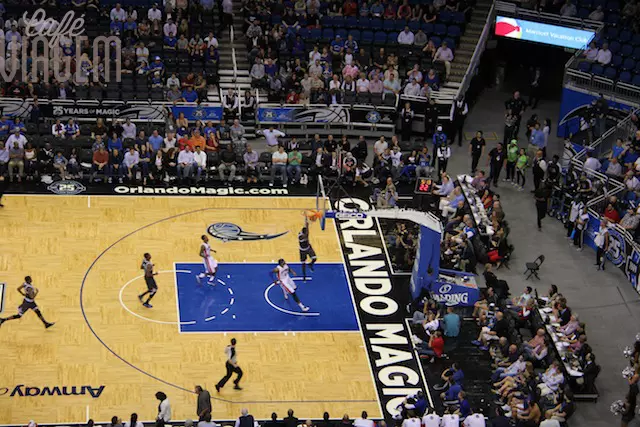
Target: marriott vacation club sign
394 364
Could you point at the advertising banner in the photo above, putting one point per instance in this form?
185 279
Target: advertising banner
198 112
426 266
538 32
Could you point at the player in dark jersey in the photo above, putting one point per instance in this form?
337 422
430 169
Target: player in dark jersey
152 287
306 250
29 292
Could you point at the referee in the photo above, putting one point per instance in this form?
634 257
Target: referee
232 366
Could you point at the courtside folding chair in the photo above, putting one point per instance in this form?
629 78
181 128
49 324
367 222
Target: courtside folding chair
534 267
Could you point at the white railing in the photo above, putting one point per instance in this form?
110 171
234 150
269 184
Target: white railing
233 52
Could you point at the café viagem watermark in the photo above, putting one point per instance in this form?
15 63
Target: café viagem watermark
43 36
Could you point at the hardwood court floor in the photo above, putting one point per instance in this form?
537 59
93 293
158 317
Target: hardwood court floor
55 239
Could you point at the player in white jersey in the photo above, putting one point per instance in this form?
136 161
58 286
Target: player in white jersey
29 292
210 264
286 282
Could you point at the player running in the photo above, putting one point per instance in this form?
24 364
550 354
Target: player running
152 287
29 292
210 264
306 250
286 282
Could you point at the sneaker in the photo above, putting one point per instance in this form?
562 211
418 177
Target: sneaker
476 342
284 184
237 387
146 304
439 387
48 325
218 388
271 184
310 267
198 279
286 296
305 309
484 348
2 321
140 298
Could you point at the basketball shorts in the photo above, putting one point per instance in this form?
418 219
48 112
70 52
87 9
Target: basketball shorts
26 306
307 253
151 283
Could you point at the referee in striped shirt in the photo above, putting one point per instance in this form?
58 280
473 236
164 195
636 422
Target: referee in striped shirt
232 367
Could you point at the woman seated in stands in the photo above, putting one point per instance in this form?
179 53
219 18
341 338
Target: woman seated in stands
512 384
182 122
432 80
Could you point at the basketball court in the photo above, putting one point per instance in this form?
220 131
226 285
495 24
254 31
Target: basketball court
108 355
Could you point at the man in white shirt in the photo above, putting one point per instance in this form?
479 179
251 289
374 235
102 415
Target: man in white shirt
592 163
604 55
169 28
199 162
16 136
444 54
474 420
186 162
362 84
271 135
592 52
128 130
412 422
142 53
279 166
155 14
380 146
211 40
412 89
170 142
364 421
406 37
57 129
450 420
431 419
117 13
131 160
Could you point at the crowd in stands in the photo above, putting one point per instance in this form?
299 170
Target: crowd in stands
346 52
402 241
167 53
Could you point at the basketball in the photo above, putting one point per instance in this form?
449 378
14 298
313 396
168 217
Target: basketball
313 215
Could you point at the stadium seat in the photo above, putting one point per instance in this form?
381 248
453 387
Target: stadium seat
342 33
625 36
597 69
440 30
303 33
625 77
364 23
613 19
338 22
636 80
584 66
388 25
451 43
635 40
399 25
414 26
445 17
627 50
458 18
276 19
326 21
454 32
616 61
328 35
375 24
636 53
392 38
436 41
614 47
367 37
315 34
380 38
611 33
628 64
610 73
356 35
583 13
351 22
427 28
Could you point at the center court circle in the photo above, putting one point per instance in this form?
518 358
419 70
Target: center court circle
106 346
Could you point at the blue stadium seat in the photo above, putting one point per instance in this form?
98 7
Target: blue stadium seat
356 35
613 19
326 21
583 13
436 41
597 3
627 50
612 6
302 21
380 37
625 36
445 17
611 33
614 47
399 25
315 34
440 30
636 80
367 37
637 71
427 28
636 53
328 35
584 66
375 24
388 25
338 22
276 19
342 33
597 69
628 64
616 61
351 22
458 18
414 26
454 31
451 43
304 33
364 23
392 38
625 77
610 73
635 40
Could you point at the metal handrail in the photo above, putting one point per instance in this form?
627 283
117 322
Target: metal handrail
233 52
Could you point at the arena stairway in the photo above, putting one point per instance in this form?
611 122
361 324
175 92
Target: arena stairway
468 42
